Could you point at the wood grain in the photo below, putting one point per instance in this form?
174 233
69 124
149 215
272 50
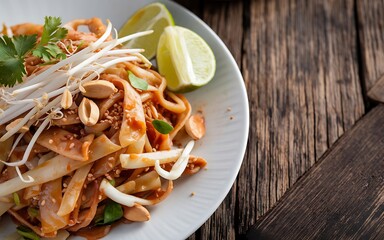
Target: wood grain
300 67
342 197
226 19
299 63
371 38
376 92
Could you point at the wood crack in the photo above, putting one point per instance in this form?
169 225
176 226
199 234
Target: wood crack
360 70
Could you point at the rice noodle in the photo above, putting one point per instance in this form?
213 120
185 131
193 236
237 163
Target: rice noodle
179 166
73 191
86 216
133 161
130 200
5 149
49 203
59 166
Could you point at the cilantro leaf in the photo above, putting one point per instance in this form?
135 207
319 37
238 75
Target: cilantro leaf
11 70
48 52
137 82
7 47
52 31
24 43
41 52
11 63
55 51
162 126
13 50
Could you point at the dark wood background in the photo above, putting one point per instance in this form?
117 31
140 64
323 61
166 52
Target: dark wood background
308 67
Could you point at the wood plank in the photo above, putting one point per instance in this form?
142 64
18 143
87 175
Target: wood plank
226 19
222 224
298 65
343 195
298 59
301 72
371 38
376 92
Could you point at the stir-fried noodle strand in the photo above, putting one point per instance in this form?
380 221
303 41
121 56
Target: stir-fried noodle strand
77 136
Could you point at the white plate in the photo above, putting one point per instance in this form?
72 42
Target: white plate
224 102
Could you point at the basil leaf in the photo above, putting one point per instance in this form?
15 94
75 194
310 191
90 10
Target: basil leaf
27 233
162 126
99 220
137 82
112 212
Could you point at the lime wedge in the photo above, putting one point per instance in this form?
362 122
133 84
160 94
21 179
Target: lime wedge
185 59
154 17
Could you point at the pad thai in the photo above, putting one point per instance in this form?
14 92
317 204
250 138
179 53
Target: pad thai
88 133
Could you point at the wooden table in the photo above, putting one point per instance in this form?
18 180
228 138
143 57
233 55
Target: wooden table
314 166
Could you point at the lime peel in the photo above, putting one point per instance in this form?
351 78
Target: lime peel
185 59
154 17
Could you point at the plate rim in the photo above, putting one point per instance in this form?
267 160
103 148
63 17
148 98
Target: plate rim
247 112
245 121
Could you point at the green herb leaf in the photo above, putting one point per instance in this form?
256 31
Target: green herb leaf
27 233
24 44
54 50
99 220
80 44
11 64
112 212
42 52
16 199
112 182
51 51
162 126
137 82
13 50
52 31
32 212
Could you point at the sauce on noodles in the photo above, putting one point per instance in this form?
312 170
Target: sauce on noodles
66 170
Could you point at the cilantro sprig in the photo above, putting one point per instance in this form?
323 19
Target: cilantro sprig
52 33
14 50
